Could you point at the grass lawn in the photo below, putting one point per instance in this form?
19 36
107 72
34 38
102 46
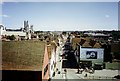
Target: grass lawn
22 55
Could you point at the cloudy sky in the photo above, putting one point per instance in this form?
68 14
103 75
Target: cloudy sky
58 16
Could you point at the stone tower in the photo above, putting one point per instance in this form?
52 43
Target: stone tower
28 29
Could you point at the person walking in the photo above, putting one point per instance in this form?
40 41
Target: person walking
65 71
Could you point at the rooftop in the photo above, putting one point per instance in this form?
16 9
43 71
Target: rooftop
22 55
85 42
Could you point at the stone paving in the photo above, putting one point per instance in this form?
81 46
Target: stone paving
72 74
99 74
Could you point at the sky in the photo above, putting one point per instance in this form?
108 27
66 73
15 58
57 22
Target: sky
61 0
61 16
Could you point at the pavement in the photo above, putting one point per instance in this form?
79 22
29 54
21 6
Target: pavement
72 73
99 74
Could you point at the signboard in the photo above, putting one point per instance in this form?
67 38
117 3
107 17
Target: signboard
91 53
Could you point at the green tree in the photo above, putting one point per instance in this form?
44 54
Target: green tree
12 37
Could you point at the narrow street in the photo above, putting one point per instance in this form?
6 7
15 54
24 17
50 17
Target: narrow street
68 56
67 61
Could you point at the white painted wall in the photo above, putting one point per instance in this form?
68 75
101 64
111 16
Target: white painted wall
52 67
16 33
57 53
2 30
65 37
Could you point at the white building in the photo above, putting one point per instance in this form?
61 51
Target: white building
25 32
52 64
52 58
1 30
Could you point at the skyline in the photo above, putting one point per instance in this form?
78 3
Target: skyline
59 16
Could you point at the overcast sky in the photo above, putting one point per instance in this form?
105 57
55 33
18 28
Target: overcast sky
60 16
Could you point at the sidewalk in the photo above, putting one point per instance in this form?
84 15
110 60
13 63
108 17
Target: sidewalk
99 74
72 73
58 76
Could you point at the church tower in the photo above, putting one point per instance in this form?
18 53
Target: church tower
27 30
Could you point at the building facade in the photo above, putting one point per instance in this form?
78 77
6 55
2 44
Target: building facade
26 31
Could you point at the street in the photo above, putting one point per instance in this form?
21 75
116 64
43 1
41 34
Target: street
67 63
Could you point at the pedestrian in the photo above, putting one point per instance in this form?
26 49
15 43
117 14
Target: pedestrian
85 75
78 70
65 73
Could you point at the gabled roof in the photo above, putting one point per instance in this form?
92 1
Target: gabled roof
87 39
82 41
85 42
97 45
76 40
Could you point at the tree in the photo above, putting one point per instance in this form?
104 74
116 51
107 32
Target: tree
116 35
64 33
12 37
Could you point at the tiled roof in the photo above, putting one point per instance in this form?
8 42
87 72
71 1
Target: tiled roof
52 46
97 45
49 50
82 41
23 55
87 39
75 41
85 42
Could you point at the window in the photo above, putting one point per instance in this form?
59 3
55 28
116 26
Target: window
45 69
